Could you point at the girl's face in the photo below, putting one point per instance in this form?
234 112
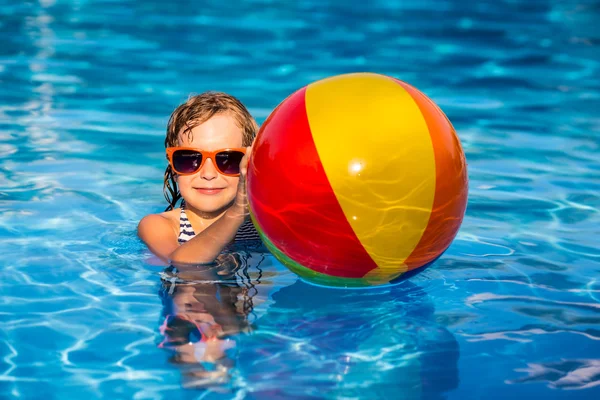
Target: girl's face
209 191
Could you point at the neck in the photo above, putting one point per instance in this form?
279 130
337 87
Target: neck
204 217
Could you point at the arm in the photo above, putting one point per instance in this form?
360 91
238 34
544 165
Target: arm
159 235
208 244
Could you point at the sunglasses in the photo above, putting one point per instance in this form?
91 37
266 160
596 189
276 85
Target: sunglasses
187 160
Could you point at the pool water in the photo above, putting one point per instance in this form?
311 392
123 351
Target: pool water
510 311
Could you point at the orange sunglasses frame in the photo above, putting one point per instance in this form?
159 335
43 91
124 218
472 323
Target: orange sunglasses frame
205 156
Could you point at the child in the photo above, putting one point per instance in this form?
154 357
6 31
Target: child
208 144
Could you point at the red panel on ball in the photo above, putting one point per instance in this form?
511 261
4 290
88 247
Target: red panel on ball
291 198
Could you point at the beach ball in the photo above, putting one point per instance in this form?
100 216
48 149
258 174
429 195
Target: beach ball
357 180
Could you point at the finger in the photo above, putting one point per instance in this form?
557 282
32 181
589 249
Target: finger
243 167
245 160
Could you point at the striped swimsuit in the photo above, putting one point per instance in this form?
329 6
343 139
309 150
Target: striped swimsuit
186 232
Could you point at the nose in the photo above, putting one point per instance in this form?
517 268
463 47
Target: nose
209 170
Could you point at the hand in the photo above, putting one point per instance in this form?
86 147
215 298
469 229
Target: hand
241 198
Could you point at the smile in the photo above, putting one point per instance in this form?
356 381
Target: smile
209 190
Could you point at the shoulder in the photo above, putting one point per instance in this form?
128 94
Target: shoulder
159 232
166 223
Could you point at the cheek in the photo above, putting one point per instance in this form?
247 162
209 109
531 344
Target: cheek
232 181
182 181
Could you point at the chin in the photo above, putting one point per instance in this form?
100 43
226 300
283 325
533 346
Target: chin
214 209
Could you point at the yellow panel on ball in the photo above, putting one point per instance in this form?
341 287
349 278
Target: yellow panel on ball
375 148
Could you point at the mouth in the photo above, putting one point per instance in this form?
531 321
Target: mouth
209 190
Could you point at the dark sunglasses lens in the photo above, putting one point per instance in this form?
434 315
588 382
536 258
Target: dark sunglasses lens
186 161
228 162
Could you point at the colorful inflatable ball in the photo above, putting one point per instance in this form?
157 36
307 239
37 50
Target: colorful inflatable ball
357 180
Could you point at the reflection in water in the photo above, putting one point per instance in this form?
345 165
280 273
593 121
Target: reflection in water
372 343
205 307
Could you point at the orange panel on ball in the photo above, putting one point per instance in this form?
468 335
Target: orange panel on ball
450 198
292 201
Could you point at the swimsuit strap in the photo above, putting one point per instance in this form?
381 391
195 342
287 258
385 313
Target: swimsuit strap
186 232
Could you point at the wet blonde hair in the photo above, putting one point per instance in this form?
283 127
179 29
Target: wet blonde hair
195 111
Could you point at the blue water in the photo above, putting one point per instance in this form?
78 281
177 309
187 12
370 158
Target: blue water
510 311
